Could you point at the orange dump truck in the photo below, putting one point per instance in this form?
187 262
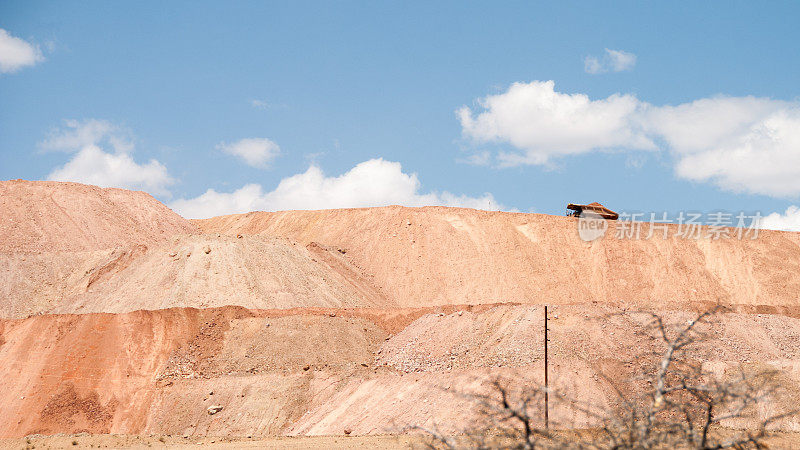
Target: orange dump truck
594 207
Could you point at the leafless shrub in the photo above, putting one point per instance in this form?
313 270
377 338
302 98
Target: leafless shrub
676 404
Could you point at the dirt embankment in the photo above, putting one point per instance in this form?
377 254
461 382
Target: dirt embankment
190 271
320 371
374 257
436 255
48 216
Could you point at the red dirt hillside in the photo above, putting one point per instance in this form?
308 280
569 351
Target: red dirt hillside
318 372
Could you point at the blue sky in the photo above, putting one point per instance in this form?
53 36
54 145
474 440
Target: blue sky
298 101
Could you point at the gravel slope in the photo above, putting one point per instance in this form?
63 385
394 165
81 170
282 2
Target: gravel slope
48 216
435 255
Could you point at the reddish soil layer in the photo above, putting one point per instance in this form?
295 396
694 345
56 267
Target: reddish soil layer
321 371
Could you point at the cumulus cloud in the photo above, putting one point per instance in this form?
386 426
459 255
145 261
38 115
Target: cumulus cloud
789 221
610 61
763 159
743 144
546 123
16 53
256 152
375 182
92 164
76 134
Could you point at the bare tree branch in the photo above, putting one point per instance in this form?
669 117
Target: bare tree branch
683 405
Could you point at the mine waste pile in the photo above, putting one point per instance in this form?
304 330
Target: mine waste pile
118 316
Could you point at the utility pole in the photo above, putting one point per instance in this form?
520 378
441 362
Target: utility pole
546 393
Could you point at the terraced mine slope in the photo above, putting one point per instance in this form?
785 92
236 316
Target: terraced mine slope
118 316
302 371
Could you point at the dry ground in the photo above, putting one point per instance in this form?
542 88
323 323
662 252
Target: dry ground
389 442
172 442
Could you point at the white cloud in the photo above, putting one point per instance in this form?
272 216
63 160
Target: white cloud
77 134
611 61
375 182
763 159
256 152
621 60
546 123
708 122
789 221
477 159
92 165
259 104
16 53
591 64
743 144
